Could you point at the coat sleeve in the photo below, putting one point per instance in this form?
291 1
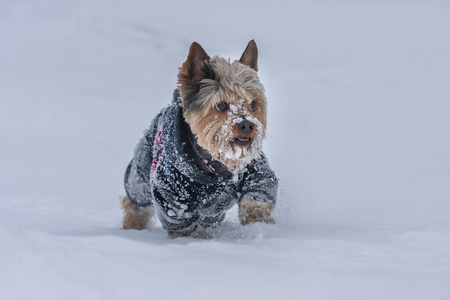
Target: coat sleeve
137 175
259 182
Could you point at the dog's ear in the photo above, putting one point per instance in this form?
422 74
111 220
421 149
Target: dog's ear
195 67
250 56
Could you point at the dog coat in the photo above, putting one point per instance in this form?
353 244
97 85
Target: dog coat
164 173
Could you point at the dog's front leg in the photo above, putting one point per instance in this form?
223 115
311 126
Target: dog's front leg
252 211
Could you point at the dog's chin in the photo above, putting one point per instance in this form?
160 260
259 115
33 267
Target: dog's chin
239 149
238 155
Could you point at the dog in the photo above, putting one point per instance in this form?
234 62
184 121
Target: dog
203 153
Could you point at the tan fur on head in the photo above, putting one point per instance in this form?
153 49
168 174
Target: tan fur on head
206 82
251 211
135 217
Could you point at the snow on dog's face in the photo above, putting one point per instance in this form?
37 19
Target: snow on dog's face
224 105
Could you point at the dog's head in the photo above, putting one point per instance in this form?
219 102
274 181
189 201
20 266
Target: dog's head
224 105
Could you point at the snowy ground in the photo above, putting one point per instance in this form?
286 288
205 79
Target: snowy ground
359 120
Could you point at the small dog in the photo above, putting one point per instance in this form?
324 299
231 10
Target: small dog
202 154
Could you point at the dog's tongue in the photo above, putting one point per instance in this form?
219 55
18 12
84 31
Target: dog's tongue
243 139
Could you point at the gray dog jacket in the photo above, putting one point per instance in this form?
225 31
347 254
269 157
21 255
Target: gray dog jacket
165 172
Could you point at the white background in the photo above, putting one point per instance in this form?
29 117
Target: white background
358 134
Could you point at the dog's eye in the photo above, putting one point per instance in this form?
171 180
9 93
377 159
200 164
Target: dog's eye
252 107
222 106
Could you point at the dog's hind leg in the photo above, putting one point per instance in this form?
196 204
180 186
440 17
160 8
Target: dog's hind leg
135 217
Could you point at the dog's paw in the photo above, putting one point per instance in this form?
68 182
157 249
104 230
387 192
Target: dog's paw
252 211
175 235
200 233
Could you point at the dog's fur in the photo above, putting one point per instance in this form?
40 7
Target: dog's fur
205 84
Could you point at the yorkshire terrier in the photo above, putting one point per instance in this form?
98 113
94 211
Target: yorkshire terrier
202 154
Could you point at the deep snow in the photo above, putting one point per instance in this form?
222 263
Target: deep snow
359 118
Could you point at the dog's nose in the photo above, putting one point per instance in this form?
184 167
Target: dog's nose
246 127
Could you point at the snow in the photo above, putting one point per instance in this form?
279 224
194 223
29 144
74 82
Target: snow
358 128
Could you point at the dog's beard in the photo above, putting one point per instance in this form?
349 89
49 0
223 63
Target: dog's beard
220 140
230 153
